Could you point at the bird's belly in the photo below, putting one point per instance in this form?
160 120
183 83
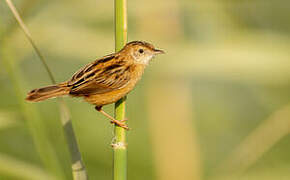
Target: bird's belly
109 97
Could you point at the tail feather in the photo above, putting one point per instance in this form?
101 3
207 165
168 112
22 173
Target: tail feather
47 92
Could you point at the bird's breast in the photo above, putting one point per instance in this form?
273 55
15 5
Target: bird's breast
115 95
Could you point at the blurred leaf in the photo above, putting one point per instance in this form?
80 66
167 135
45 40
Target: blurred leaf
21 170
7 119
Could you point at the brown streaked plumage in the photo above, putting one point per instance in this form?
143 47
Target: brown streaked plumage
106 80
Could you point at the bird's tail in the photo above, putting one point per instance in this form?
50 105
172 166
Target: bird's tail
47 92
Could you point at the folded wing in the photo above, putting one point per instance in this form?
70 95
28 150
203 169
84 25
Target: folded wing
101 76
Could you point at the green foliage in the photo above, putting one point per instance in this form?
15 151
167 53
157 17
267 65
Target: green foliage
231 57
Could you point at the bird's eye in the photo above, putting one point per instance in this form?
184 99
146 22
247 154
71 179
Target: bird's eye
141 51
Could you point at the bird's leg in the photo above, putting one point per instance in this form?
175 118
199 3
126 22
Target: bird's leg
113 120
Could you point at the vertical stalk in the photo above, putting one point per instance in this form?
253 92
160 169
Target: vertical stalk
120 145
78 168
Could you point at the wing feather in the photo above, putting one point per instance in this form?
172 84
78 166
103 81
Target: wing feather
99 77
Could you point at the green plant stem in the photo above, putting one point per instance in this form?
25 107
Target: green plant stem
78 168
119 144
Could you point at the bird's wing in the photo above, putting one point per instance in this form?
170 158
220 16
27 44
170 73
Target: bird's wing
103 75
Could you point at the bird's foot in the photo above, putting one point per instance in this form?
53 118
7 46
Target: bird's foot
120 123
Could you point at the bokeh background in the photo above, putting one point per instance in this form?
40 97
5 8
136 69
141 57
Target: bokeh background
214 107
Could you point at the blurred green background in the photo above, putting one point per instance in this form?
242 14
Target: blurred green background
214 107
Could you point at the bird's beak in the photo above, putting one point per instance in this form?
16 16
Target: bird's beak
158 51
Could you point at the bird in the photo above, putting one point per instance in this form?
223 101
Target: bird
105 80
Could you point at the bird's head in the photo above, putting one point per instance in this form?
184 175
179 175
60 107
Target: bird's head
140 51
